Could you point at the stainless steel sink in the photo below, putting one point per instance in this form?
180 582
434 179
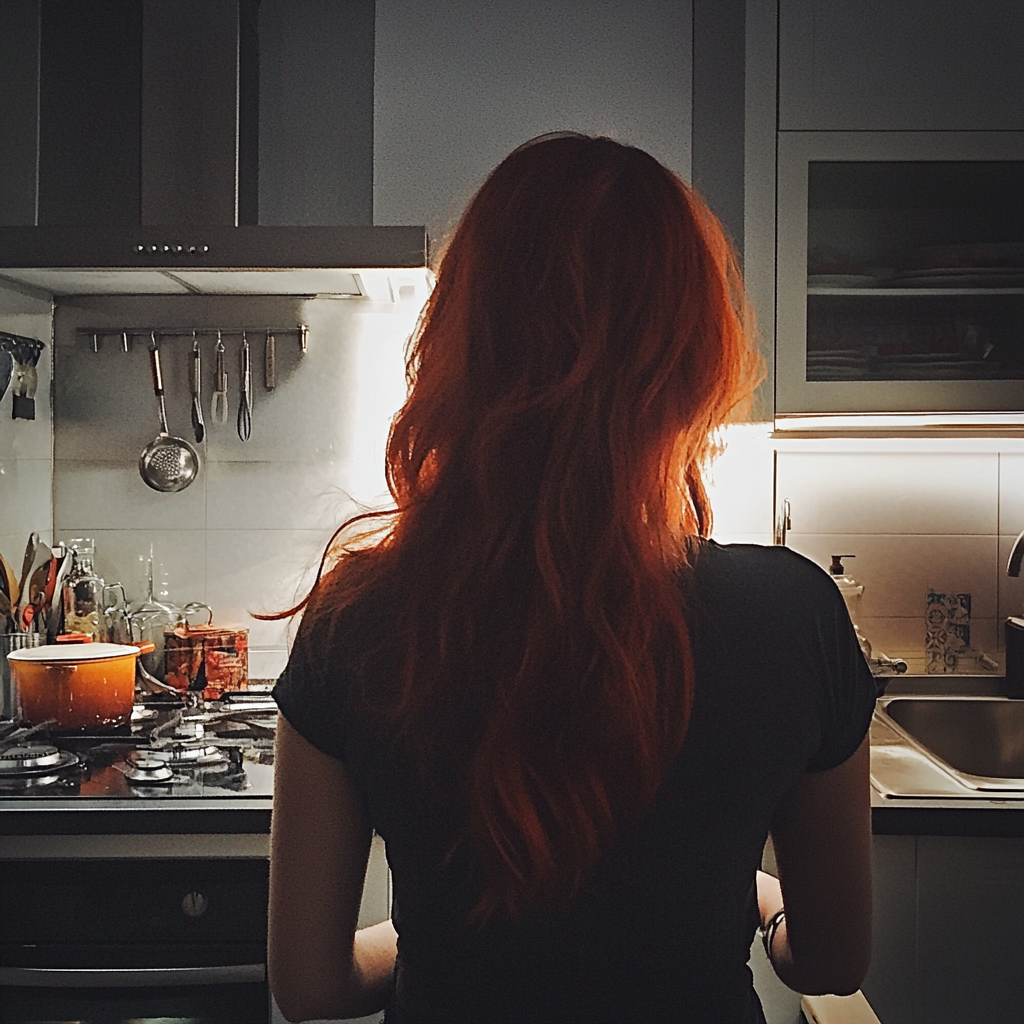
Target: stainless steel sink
978 740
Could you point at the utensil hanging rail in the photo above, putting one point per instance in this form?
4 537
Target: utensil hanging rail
124 335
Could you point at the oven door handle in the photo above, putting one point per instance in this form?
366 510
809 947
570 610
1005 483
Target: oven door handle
131 977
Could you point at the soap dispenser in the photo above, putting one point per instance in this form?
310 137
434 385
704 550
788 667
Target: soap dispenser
851 591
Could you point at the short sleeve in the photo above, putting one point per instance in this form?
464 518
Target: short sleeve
302 695
847 698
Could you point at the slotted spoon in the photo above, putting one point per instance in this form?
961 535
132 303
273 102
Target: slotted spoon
167 463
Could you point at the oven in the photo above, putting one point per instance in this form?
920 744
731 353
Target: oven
134 869
130 939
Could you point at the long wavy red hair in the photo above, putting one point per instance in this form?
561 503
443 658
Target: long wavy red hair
586 337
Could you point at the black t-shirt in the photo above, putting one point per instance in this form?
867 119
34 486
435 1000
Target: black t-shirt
662 930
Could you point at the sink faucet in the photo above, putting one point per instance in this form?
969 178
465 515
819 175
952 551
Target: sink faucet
1015 629
1016 556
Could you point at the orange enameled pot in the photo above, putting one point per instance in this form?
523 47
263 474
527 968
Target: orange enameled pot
79 687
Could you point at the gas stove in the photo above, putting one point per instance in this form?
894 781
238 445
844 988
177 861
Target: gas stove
169 752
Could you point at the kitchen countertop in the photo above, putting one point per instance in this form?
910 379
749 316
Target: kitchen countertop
239 826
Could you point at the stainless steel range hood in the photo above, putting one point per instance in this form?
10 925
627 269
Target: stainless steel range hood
215 260
146 133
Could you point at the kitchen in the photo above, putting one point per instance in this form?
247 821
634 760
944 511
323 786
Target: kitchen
917 511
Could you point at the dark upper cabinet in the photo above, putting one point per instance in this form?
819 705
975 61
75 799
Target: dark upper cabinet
196 112
911 65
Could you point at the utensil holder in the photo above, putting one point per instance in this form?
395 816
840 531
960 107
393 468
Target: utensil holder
9 705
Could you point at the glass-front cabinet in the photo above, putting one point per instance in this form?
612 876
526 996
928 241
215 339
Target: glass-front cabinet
900 272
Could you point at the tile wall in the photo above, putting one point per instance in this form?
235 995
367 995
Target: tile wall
247 535
917 514
26 445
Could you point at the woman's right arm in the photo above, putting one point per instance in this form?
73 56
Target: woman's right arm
822 840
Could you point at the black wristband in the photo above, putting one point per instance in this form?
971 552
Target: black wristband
769 928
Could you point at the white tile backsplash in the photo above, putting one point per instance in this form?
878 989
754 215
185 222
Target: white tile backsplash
260 571
179 559
277 495
1011 493
898 570
879 492
1011 590
248 534
25 501
914 520
112 496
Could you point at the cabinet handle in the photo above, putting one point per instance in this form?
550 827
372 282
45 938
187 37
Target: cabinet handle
131 977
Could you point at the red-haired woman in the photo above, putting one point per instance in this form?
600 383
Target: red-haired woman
573 719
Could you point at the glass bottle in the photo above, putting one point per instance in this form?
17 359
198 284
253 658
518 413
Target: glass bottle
152 617
82 594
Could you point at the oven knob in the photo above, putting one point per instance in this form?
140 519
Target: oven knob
194 904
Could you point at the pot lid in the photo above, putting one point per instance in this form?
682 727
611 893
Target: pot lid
73 652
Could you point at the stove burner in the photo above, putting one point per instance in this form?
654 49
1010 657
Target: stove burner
34 759
185 754
14 784
146 772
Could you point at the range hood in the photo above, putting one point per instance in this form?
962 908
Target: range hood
373 262
145 179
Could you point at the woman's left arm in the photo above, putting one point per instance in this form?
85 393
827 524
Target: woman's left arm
320 966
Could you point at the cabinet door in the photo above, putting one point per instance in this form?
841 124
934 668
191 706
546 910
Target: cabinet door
900 272
915 65
970 898
888 986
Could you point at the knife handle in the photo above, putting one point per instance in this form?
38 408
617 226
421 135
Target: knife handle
270 363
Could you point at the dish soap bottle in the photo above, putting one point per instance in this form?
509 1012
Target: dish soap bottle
852 592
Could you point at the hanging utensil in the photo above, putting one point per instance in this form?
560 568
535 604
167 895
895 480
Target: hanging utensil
167 463
270 362
245 401
219 402
195 379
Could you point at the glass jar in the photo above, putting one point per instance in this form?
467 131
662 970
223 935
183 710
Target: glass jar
82 593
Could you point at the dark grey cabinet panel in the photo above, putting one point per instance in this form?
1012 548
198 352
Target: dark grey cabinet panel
888 986
947 941
915 65
970 897
460 83
316 112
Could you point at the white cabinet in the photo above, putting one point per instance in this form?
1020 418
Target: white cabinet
901 65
